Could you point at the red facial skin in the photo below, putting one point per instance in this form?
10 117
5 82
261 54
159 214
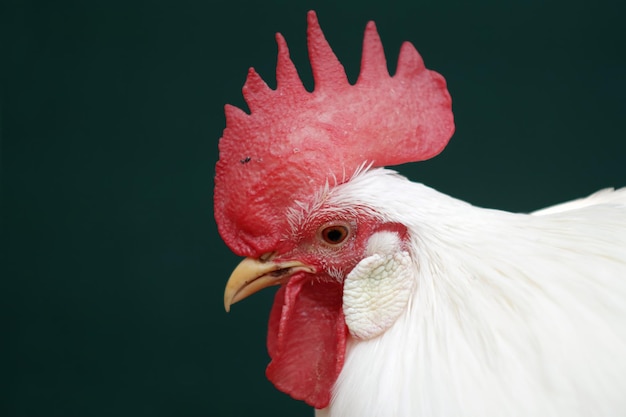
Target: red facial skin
307 332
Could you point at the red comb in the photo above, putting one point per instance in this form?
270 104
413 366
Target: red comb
294 141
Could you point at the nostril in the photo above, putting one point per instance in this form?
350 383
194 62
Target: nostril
266 256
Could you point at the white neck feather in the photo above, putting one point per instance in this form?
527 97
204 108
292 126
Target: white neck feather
513 314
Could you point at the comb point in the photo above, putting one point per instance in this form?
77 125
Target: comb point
287 78
373 61
328 72
234 115
256 92
409 61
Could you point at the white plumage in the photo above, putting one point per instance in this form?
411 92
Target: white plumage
397 300
511 314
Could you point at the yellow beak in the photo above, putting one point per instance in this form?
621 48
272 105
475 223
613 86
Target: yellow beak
252 275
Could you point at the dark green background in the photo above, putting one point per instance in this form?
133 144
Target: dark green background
112 269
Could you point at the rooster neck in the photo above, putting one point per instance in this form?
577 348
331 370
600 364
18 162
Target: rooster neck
508 317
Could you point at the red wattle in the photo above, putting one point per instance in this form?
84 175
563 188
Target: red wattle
307 339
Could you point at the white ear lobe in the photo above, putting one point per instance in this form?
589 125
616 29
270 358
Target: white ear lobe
376 292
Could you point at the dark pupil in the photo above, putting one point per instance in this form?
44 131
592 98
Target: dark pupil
334 235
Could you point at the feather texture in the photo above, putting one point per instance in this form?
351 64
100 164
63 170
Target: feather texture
512 314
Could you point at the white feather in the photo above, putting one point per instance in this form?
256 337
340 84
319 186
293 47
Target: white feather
512 314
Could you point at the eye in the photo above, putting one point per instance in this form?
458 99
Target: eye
335 234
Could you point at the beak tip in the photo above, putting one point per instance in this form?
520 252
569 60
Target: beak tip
227 304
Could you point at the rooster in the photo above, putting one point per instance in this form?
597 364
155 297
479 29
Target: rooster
395 299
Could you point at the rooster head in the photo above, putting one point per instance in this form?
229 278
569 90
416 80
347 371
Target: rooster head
280 201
